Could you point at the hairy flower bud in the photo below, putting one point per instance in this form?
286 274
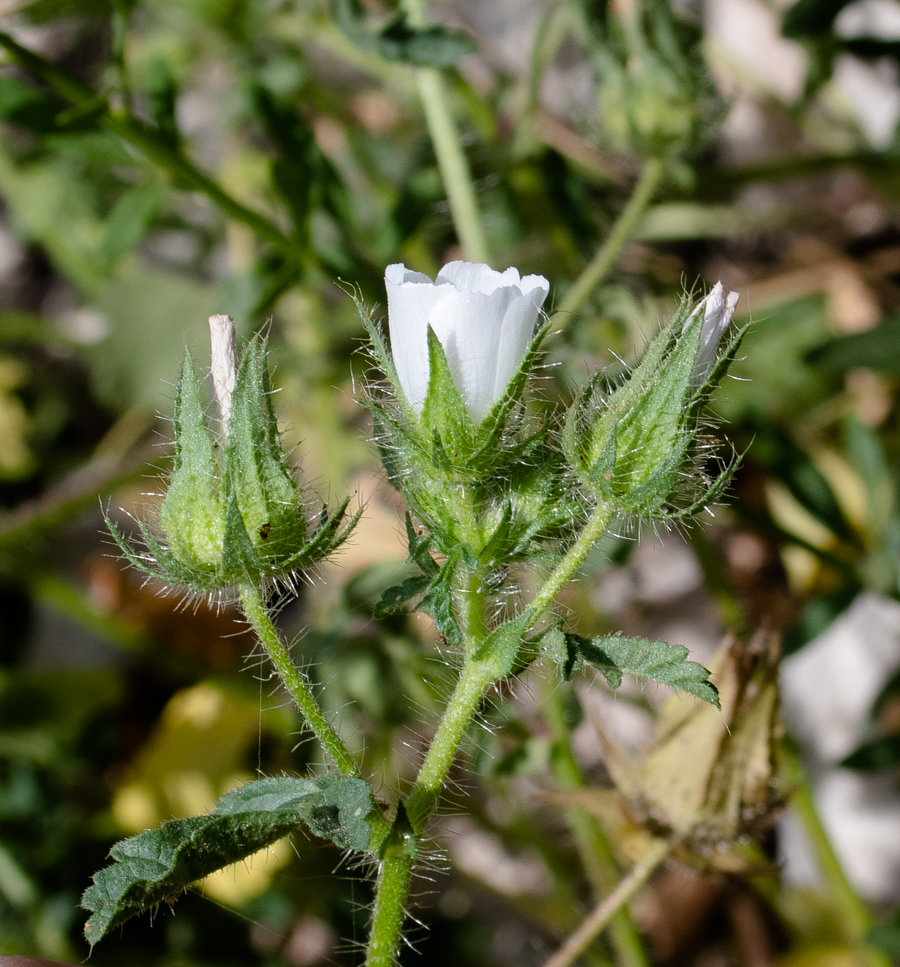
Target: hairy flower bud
231 514
632 447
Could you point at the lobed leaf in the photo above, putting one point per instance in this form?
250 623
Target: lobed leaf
616 656
155 864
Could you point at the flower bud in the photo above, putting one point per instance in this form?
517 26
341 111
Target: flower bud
633 447
238 516
454 435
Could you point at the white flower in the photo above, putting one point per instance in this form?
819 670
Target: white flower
483 319
719 308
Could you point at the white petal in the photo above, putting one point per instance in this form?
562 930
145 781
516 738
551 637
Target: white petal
223 365
719 311
411 298
516 336
477 277
470 328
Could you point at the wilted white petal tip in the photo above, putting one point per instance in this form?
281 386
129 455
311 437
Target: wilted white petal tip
223 364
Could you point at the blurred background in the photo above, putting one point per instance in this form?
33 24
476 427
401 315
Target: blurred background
164 159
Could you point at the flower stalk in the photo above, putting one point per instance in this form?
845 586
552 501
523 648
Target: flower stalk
296 683
598 268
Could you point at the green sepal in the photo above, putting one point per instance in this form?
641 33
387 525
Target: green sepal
157 562
615 656
503 645
438 601
328 537
159 863
444 411
192 514
240 562
256 472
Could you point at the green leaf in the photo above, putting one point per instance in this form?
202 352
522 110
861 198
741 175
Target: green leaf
129 220
394 597
340 811
438 602
155 864
433 46
616 656
877 349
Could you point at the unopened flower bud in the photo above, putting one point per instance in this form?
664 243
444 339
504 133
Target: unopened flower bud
634 447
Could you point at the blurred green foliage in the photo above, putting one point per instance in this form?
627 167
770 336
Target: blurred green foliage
164 159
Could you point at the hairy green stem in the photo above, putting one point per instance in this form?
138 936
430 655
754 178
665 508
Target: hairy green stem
147 140
607 909
590 838
575 556
388 914
294 680
475 679
596 270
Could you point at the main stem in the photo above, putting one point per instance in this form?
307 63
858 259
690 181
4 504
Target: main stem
476 677
596 270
